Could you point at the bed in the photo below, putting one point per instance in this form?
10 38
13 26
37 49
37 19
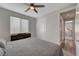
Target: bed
32 47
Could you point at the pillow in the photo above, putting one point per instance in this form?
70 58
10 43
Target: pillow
1 52
3 43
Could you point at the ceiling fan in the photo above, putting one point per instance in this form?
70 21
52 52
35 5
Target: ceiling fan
32 6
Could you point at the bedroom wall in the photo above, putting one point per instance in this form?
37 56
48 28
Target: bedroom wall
50 32
52 28
5 23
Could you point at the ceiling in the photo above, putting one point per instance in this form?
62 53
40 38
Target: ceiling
21 7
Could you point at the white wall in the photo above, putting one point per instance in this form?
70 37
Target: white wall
51 30
53 27
4 26
5 23
41 28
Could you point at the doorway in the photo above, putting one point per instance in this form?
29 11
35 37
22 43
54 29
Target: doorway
67 32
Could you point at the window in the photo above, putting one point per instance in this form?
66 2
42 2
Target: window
18 25
14 25
24 24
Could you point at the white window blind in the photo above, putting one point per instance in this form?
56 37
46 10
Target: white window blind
14 25
18 25
25 27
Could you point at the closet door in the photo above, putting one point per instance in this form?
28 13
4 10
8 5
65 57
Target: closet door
14 25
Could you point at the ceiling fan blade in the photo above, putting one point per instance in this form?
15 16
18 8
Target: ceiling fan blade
35 10
27 9
39 5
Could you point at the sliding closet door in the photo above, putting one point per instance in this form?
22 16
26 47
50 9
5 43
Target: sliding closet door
14 25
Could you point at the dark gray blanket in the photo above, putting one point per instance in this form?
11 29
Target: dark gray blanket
33 47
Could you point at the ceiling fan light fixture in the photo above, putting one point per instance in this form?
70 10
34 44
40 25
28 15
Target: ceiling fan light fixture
32 7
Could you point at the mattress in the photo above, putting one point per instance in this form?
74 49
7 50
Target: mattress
32 47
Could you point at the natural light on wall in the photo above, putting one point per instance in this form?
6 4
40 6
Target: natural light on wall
18 25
